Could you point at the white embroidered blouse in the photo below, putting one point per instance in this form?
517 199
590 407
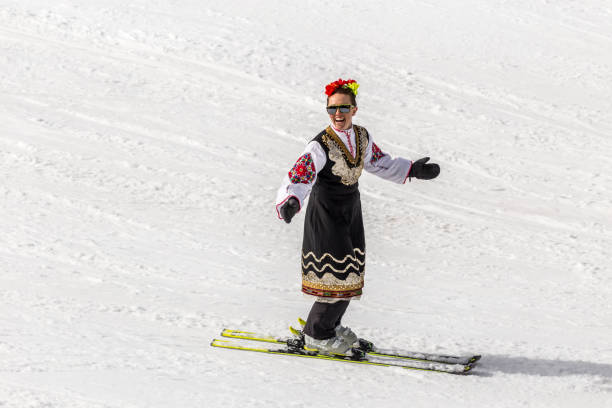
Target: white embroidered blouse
299 181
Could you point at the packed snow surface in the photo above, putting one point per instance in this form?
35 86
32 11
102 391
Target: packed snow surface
141 146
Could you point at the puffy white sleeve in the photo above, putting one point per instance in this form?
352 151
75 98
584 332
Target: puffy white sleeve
299 180
384 166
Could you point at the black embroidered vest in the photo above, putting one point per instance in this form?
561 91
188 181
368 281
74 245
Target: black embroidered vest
341 173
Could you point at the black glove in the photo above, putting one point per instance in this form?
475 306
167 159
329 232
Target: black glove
289 209
421 170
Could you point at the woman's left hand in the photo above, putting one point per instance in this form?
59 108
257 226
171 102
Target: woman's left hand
422 170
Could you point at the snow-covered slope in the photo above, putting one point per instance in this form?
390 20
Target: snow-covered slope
141 146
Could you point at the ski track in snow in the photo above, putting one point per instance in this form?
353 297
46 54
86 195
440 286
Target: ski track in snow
142 145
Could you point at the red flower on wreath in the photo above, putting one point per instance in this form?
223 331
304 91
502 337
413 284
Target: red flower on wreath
331 87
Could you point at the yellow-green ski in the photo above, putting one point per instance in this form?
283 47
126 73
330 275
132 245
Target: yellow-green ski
365 346
283 349
372 350
245 335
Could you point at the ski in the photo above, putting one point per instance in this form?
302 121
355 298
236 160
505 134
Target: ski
364 345
359 358
369 347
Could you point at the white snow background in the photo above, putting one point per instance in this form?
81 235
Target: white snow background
141 146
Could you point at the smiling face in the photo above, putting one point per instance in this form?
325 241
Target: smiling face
341 121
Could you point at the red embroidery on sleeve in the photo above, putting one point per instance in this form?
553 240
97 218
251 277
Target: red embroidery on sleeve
303 171
377 154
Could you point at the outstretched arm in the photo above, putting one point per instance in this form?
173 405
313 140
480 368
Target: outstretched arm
384 166
298 182
397 169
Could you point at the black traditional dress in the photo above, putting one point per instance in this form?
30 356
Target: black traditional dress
333 249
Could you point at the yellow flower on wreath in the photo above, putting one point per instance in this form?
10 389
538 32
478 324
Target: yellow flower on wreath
353 87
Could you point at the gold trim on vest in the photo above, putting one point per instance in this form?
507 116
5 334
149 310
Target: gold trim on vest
341 157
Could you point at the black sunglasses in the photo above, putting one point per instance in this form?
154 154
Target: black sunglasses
343 108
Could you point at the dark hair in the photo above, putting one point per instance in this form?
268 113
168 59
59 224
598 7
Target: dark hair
345 91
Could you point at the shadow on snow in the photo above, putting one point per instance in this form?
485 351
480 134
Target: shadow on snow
541 367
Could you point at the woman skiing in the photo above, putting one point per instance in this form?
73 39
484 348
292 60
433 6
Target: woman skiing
333 248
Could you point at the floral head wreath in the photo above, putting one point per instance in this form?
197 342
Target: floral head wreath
341 83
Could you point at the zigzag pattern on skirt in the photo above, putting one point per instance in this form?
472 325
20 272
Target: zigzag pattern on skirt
339 268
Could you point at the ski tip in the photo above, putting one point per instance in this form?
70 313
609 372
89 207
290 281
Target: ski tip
217 342
231 333
475 359
234 333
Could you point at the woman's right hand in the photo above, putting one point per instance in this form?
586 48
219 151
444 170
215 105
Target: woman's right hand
289 209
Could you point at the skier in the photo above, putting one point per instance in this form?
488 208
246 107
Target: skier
333 247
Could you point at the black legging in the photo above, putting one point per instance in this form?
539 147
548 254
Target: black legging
324 318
